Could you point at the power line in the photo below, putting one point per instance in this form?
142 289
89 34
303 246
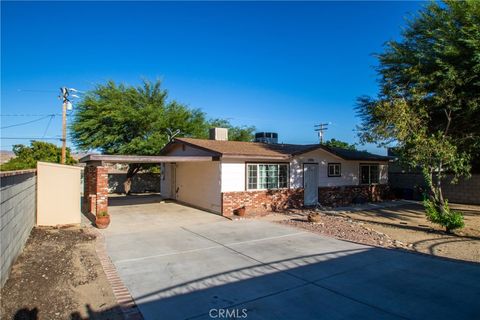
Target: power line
48 125
24 123
25 138
29 115
29 90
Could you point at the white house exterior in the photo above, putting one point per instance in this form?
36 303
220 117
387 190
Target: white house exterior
264 177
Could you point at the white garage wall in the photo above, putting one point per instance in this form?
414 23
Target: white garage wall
198 184
166 181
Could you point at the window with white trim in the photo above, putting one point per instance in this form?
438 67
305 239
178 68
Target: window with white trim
369 173
334 169
267 176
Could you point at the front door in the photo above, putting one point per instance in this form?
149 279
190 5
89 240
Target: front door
310 184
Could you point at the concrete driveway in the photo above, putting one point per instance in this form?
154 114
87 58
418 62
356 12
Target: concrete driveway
182 263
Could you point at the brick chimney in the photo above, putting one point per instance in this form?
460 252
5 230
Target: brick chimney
219 134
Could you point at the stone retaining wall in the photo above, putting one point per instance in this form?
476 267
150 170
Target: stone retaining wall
261 201
17 217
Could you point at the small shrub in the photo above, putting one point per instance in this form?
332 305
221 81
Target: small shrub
449 219
102 214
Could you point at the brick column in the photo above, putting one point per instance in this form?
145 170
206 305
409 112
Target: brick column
88 190
95 196
102 189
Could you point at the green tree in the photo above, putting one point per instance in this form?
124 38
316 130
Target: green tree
26 157
121 119
429 99
340 144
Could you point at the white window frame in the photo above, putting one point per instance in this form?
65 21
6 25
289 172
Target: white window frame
334 164
369 165
258 164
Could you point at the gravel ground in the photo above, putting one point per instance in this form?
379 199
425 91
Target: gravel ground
344 229
402 226
58 276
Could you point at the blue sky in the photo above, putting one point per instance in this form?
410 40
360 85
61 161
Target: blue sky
280 66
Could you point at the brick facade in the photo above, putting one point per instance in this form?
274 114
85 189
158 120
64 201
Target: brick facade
345 195
95 196
261 201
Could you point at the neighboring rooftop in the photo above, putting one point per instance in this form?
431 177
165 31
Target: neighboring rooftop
259 149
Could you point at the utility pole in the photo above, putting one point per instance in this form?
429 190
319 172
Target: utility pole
64 97
320 128
66 105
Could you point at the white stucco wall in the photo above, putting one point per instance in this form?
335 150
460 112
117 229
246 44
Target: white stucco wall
233 171
349 172
198 184
58 194
233 175
184 150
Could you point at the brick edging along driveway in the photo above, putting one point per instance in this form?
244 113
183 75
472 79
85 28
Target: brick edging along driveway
122 295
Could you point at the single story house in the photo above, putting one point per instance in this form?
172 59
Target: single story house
264 176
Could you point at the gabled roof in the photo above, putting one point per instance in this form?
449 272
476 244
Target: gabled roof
277 151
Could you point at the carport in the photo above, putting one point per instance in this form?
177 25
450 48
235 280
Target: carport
95 196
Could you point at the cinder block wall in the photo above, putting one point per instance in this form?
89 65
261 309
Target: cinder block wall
17 218
141 182
466 191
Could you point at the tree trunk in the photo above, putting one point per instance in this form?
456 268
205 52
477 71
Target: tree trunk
132 171
436 192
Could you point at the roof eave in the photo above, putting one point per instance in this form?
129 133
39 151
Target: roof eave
175 140
247 156
325 148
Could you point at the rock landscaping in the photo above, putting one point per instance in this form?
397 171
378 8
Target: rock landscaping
392 226
342 228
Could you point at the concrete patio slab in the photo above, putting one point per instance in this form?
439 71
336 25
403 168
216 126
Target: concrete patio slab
186 263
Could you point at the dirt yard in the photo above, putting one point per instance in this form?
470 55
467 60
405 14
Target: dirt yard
402 226
58 276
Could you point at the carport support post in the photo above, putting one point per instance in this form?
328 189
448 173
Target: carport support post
95 197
